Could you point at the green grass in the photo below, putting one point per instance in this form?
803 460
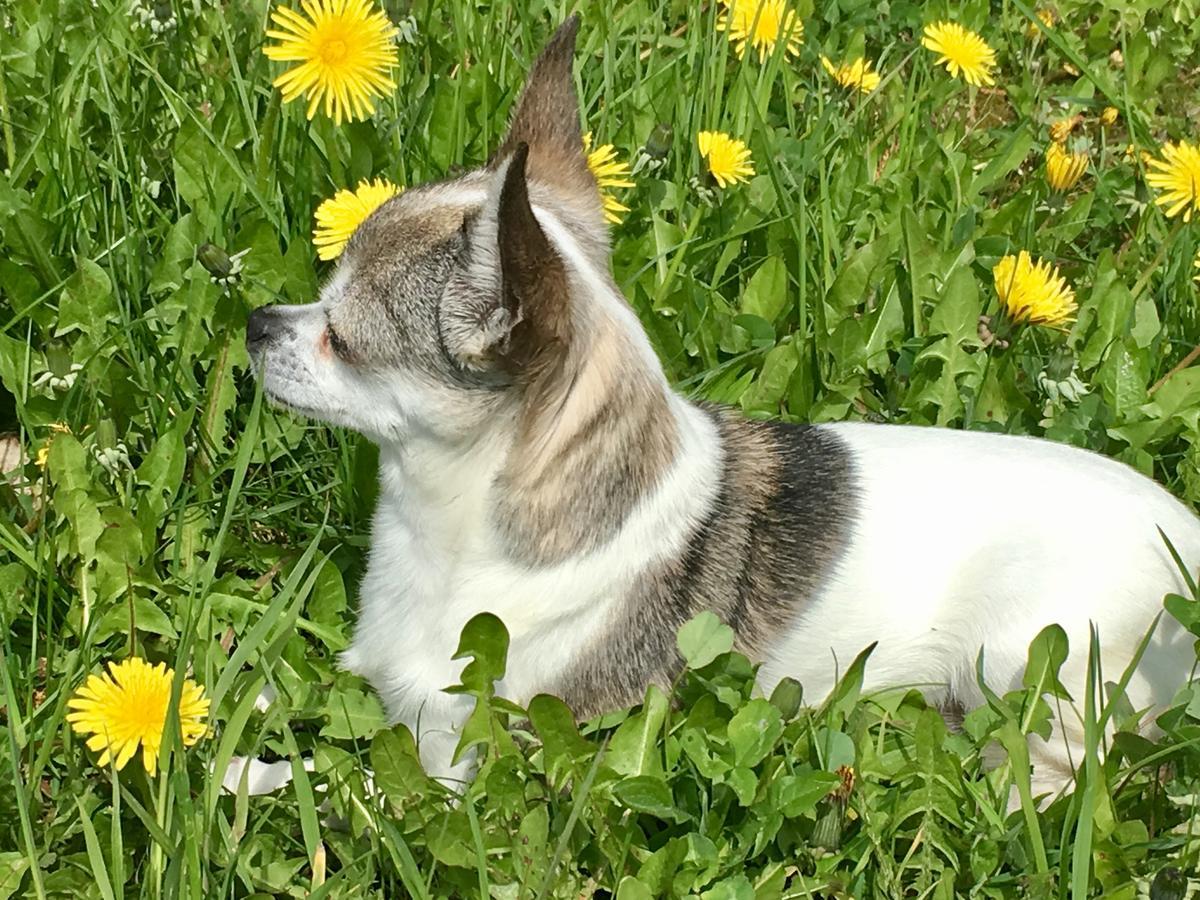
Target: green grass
183 520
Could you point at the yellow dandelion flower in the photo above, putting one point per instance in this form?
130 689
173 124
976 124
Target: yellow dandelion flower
1177 176
609 172
1047 18
345 50
1063 168
1061 130
761 25
856 75
961 50
128 706
339 216
42 457
1033 292
728 158
1108 117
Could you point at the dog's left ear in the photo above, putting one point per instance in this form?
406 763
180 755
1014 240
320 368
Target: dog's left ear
507 310
533 279
547 121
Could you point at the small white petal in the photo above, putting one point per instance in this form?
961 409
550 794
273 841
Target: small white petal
265 698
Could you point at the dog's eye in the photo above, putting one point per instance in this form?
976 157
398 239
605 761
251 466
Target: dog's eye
339 346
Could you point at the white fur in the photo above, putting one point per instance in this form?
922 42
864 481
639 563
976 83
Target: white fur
968 540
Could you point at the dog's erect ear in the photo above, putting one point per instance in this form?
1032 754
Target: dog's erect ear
547 120
507 309
533 279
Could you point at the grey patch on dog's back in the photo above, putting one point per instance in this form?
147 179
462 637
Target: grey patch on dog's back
777 529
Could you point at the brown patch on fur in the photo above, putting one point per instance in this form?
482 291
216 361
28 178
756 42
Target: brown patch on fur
594 439
775 532
547 118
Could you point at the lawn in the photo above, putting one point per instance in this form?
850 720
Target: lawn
156 188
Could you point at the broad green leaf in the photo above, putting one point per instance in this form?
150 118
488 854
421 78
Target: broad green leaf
744 783
1110 305
147 617
633 749
485 639
396 765
448 836
1186 612
736 887
13 866
629 889
753 731
161 471
86 303
352 714
1011 154
703 639
13 354
1047 653
1146 324
885 332
562 745
767 392
647 794
766 293
795 795
919 258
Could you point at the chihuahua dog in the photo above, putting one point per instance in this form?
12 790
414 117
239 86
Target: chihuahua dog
535 463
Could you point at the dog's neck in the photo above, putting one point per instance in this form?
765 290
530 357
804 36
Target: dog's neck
546 484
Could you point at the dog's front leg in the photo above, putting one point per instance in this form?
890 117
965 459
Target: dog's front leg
438 732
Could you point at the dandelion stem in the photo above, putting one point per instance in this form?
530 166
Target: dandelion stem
1140 285
1148 272
1192 356
665 287
10 144
266 144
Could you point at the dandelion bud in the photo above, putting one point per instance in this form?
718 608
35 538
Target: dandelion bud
1169 884
215 260
658 145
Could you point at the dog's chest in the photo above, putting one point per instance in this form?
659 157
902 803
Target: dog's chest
417 596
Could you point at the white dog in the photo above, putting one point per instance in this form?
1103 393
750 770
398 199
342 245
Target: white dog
537 465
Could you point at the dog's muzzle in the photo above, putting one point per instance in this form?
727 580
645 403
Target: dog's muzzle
261 327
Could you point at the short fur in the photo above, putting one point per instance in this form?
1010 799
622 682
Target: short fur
773 535
535 463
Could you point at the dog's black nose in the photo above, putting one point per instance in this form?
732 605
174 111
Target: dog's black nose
258 327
